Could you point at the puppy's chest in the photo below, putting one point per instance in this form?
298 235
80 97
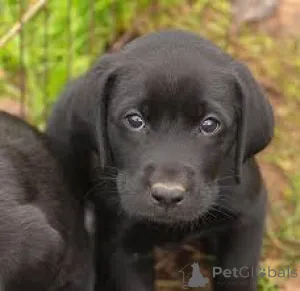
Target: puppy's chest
142 238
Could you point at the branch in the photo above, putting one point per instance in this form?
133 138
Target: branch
32 11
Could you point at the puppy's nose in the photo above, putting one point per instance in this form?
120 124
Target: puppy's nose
167 194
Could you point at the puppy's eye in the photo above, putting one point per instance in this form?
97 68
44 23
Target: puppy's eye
210 125
135 122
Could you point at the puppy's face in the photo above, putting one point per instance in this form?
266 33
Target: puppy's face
170 126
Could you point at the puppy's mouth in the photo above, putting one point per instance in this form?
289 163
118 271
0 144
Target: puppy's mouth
165 201
167 215
141 207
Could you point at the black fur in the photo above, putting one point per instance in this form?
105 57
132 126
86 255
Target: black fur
173 80
43 242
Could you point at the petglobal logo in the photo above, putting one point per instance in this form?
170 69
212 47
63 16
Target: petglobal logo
246 272
193 278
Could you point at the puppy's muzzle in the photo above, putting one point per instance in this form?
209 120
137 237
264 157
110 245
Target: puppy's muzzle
168 194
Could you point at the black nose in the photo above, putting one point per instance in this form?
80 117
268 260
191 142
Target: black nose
167 194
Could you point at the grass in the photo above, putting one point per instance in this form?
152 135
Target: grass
59 43
71 49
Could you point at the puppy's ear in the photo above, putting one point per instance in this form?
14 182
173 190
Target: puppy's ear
89 110
77 125
256 120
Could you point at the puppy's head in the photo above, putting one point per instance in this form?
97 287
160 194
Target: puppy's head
173 109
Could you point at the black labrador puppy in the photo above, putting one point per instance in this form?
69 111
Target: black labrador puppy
43 241
162 136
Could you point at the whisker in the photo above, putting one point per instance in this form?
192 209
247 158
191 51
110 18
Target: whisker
224 178
225 207
92 189
226 186
218 210
104 179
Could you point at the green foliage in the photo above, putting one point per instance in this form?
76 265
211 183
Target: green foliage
265 284
59 43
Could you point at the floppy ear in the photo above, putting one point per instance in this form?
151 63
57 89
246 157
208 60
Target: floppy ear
89 109
256 120
77 126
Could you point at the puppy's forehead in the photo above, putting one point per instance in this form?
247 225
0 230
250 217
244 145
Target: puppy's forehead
174 83
181 81
173 90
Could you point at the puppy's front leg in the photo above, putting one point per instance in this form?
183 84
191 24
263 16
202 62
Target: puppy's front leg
132 272
238 256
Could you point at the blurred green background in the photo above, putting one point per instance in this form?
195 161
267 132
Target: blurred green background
61 38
